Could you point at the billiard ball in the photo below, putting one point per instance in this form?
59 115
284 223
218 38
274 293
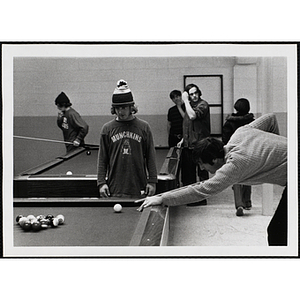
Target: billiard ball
88 152
33 220
40 217
26 225
22 221
117 208
54 222
61 219
44 223
36 225
18 218
31 217
49 217
69 173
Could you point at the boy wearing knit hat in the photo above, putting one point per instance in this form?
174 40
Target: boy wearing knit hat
74 128
126 160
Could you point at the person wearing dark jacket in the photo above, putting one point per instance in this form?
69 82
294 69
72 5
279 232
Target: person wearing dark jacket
175 119
242 193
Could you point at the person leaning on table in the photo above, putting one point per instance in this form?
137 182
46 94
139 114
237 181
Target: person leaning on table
255 154
74 128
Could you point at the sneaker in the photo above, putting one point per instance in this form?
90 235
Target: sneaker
239 211
248 205
199 203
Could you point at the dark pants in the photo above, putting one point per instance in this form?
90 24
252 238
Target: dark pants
277 229
174 139
242 195
189 168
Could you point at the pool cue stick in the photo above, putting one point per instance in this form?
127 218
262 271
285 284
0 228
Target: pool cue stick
177 189
163 193
52 141
170 191
40 139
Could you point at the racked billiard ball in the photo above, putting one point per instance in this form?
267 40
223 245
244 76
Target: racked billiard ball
26 225
22 221
49 217
44 223
54 222
40 217
36 225
61 219
18 218
31 217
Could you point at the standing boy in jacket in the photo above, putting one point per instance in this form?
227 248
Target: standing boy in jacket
242 193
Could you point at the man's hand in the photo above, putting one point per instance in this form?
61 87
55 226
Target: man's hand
104 191
185 97
76 143
179 144
149 201
150 189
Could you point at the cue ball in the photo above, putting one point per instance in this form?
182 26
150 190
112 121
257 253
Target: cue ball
117 207
88 152
69 173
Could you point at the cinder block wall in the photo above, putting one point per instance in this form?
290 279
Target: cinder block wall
89 82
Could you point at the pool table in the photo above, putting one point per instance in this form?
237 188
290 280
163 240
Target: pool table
89 220
50 180
95 225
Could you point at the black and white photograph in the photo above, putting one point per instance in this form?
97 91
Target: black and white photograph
148 212
150 150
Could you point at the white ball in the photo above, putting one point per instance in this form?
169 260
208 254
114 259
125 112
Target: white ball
55 222
23 220
31 217
117 207
61 219
69 173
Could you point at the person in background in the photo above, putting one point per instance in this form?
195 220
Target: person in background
242 193
126 160
74 128
196 126
255 154
175 118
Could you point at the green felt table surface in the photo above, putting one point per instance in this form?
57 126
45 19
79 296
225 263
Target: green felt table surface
84 226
